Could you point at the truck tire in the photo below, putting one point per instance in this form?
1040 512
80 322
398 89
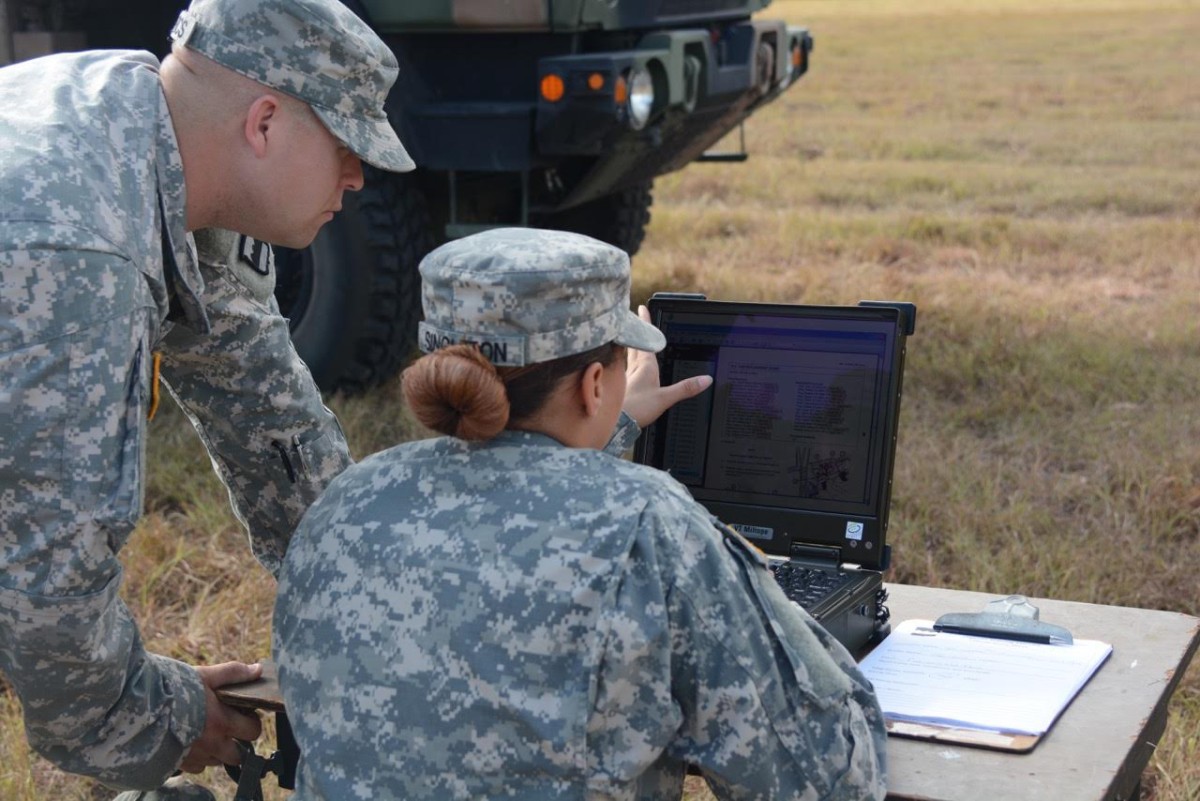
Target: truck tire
619 219
353 297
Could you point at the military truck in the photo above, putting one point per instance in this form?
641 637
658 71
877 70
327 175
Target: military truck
549 113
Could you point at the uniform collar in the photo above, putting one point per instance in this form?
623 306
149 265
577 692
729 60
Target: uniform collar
181 268
526 438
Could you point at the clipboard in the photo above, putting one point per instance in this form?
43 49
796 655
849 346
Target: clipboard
998 679
975 738
262 693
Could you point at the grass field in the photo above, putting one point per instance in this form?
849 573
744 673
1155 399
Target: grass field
1028 173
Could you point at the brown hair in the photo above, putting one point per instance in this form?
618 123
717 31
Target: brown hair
457 391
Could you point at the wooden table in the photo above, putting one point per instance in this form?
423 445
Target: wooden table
1100 746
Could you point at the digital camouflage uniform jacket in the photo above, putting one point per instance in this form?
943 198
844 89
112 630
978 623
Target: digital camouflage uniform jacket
518 619
91 181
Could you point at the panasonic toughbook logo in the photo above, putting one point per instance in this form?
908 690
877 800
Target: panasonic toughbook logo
753 532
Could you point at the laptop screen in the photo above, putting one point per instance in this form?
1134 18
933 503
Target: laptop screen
794 441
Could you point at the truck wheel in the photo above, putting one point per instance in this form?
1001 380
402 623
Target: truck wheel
619 219
353 297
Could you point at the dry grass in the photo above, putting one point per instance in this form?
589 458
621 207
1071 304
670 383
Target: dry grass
1027 172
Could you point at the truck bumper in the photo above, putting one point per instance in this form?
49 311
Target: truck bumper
703 88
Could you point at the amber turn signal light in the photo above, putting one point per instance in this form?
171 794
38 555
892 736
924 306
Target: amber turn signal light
553 87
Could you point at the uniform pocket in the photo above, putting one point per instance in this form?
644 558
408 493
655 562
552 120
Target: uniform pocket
106 435
57 642
810 653
130 495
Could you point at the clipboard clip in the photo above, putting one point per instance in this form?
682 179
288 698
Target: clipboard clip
1011 618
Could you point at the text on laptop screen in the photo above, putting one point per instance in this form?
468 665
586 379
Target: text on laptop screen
795 411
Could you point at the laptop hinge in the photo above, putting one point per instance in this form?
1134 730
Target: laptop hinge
815 555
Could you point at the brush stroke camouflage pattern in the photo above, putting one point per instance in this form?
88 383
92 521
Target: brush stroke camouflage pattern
90 181
519 619
527 296
315 50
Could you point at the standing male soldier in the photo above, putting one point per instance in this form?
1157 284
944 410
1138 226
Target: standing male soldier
257 123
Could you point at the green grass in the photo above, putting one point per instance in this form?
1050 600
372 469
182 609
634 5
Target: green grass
1027 172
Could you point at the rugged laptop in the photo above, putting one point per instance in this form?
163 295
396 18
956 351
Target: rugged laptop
793 445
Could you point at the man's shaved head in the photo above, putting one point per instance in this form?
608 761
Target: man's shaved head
212 94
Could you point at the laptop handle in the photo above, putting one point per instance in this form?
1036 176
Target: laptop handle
679 296
908 312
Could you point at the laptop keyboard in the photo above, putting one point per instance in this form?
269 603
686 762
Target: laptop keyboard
807 586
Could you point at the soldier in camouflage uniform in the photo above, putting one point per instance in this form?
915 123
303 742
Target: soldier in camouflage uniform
108 160
511 613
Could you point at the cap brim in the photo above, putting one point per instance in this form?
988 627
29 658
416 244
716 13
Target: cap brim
373 141
638 334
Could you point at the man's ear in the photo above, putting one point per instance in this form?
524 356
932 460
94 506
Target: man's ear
591 389
262 116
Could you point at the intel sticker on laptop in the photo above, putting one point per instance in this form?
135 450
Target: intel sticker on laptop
854 530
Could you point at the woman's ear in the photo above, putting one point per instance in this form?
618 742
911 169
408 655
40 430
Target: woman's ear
260 118
591 389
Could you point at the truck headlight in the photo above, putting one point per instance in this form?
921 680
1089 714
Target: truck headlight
641 97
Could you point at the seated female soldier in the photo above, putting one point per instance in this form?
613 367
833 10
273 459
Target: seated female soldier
509 612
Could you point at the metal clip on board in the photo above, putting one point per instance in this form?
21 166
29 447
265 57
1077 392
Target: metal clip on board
1011 618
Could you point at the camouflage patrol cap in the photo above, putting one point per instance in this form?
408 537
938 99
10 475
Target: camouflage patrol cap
315 50
527 296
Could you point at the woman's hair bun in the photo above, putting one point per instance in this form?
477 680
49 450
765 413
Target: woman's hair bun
456 391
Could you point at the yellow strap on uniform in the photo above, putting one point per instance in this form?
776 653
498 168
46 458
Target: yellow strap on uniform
157 363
